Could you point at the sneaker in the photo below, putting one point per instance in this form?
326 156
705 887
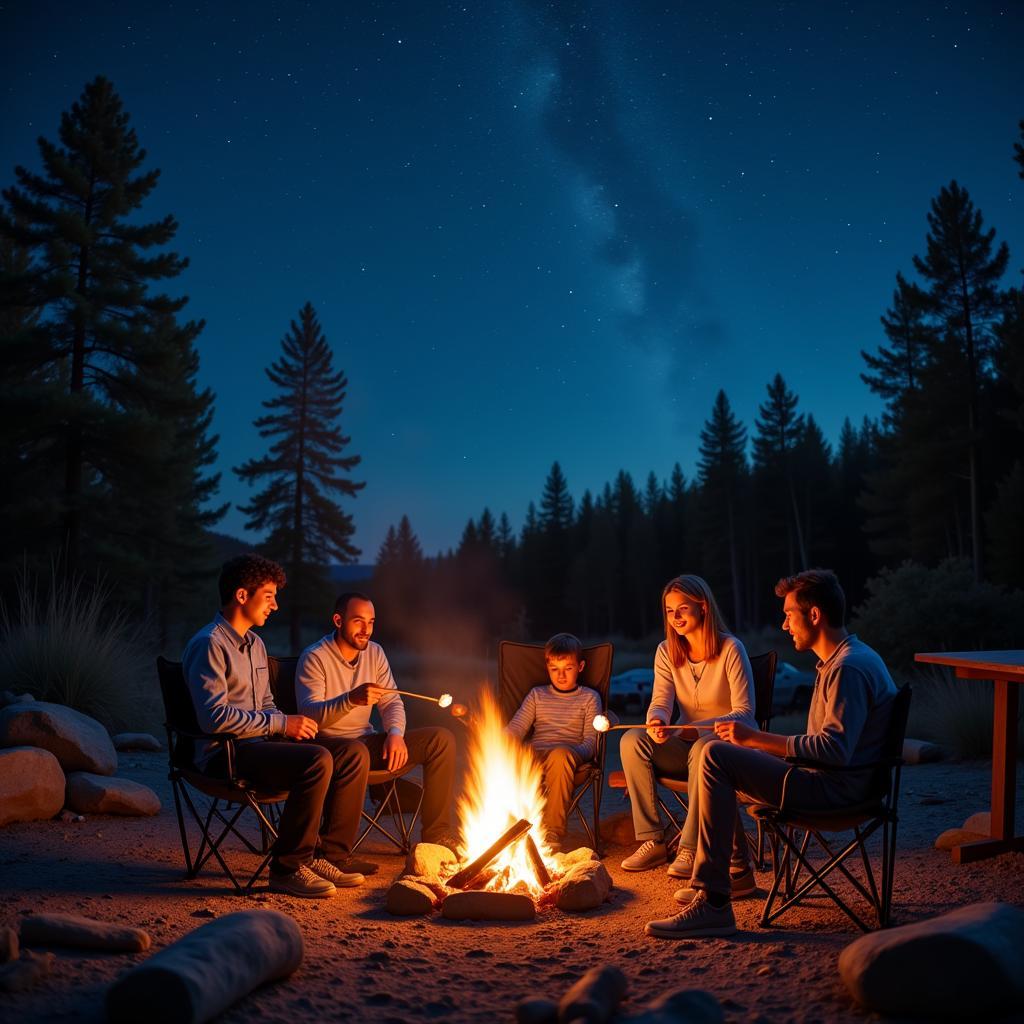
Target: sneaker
649 855
357 866
697 920
342 878
682 866
302 883
743 884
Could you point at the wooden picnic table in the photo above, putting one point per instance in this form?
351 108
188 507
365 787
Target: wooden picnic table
1006 670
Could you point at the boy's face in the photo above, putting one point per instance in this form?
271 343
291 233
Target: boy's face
563 670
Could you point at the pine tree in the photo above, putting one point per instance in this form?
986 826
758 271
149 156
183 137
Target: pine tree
94 361
303 469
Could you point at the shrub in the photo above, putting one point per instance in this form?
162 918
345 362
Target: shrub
914 608
70 646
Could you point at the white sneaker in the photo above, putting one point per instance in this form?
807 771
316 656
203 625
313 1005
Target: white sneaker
648 855
332 873
302 883
698 920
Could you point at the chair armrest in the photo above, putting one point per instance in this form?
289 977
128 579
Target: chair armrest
226 739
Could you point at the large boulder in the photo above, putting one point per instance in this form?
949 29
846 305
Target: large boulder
101 794
965 964
31 785
208 970
79 742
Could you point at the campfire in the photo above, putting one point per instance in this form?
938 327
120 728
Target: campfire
504 869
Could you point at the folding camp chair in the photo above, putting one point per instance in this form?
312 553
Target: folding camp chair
228 797
522 667
392 793
763 669
791 830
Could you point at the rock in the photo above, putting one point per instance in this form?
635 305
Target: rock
23 973
136 741
981 822
429 860
689 1005
31 785
488 906
9 697
956 837
79 742
921 752
407 898
101 794
595 997
964 964
8 945
208 970
584 886
83 933
580 855
537 1011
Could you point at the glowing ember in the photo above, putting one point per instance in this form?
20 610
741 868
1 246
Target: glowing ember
602 723
503 785
460 710
444 700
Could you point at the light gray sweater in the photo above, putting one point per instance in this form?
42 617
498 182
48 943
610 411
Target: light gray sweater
725 691
559 718
324 679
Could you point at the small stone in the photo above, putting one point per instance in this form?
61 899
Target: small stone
101 794
70 818
692 1005
8 945
136 741
981 822
83 933
595 997
202 912
921 752
536 1011
23 973
956 837
488 906
408 898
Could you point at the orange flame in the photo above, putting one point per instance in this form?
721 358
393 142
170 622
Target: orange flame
502 786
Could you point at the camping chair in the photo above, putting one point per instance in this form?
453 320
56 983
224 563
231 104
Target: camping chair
763 668
229 797
522 667
877 810
392 792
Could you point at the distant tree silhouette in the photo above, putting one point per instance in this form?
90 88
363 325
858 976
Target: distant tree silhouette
304 469
103 360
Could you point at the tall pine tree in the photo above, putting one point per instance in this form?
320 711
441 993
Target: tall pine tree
305 469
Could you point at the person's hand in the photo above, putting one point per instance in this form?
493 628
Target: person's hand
299 727
365 695
396 753
734 732
657 731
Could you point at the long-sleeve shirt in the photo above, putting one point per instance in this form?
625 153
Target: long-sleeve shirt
324 679
850 706
724 691
229 682
559 718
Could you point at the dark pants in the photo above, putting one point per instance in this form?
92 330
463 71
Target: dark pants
434 749
322 782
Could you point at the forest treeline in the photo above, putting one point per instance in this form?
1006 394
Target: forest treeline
107 449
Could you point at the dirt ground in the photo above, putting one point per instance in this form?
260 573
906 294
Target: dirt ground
361 964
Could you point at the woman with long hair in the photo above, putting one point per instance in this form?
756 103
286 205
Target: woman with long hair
704 670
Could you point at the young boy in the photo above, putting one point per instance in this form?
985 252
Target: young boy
562 717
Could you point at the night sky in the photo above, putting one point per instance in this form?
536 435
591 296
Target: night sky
537 232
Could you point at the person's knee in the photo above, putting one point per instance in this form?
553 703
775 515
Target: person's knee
321 763
635 747
715 756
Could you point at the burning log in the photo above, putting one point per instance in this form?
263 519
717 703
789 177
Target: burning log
464 878
537 861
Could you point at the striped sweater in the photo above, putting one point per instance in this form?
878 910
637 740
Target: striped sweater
559 718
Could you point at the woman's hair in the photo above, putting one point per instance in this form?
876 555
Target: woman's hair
695 590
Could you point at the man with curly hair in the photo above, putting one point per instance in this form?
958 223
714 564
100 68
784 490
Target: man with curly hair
225 666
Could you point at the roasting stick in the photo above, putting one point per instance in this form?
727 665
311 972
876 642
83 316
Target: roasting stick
443 701
602 724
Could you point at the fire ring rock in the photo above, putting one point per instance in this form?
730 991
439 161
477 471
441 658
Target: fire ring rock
79 742
102 794
409 898
31 785
488 906
83 933
201 975
584 886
